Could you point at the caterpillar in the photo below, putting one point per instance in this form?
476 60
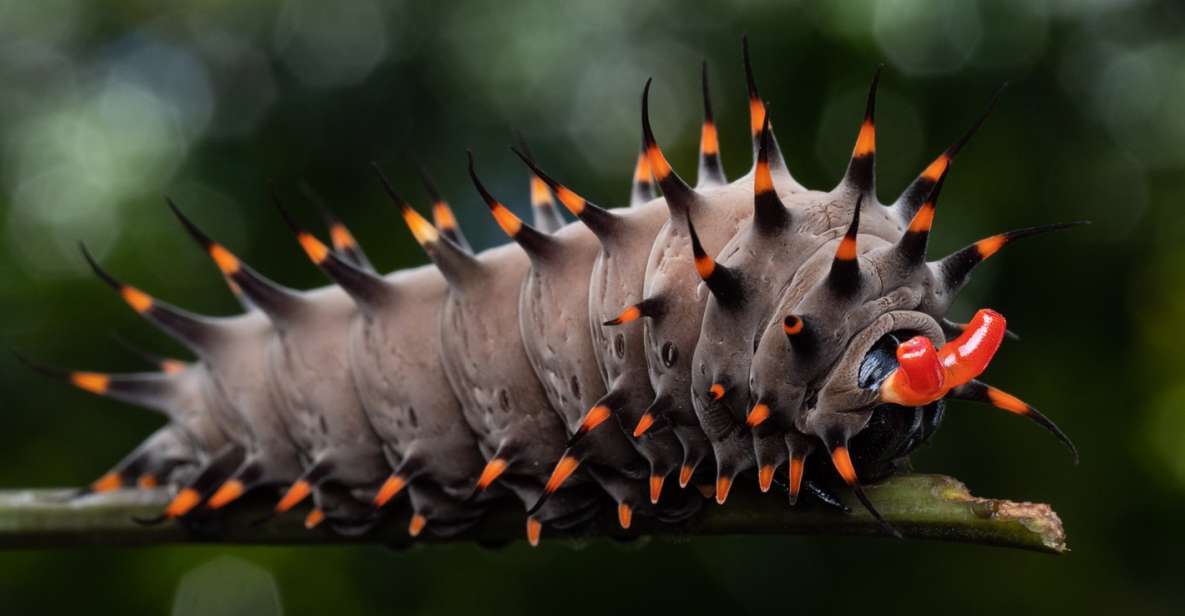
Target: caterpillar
644 358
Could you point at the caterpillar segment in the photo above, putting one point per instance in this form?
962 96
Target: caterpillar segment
751 328
232 349
484 358
309 380
618 275
669 343
394 356
553 326
171 455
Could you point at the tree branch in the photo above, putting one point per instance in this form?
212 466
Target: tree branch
920 506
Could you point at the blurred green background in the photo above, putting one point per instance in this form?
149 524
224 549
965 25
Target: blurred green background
107 106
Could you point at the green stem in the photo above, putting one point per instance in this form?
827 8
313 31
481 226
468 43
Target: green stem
920 506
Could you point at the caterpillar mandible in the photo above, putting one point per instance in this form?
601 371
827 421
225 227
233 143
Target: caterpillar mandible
615 361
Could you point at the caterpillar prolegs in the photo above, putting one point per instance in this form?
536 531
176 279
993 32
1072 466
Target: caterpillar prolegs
641 358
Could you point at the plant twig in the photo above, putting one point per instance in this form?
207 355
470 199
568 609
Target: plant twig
921 506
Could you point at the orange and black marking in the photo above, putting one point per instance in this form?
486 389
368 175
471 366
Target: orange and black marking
723 282
656 483
531 239
444 218
183 503
643 189
139 301
419 226
599 220
534 531
756 106
560 474
723 486
677 193
981 392
798 332
187 326
757 415
716 392
313 247
390 489
920 188
272 298
173 366
844 276
913 243
492 471
710 167
655 159
314 518
957 266
296 493
625 515
765 477
841 459
340 236
770 215
540 194
861 168
653 307
796 471
416 525
226 261
645 422
94 382
442 214
109 482
354 275
592 419
229 491
546 218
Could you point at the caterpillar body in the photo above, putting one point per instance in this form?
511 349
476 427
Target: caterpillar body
618 360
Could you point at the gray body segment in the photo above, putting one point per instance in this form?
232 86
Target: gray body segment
491 375
238 365
395 359
553 318
309 375
617 280
671 339
192 411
